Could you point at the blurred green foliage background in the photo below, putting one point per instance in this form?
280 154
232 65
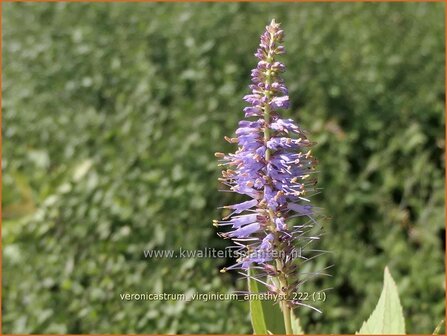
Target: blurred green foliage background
111 116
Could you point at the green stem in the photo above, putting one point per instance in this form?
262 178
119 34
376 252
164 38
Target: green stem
287 319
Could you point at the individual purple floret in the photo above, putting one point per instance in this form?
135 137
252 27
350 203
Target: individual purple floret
272 167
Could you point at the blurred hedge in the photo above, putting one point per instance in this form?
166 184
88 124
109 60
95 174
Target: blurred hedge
111 116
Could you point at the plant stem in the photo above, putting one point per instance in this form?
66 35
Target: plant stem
286 310
287 318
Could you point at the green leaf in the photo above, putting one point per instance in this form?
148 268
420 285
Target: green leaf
273 316
272 312
256 311
296 326
438 327
387 317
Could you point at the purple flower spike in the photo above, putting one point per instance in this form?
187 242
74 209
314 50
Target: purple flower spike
272 166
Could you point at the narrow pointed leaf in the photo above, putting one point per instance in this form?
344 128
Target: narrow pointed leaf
438 328
272 312
256 310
